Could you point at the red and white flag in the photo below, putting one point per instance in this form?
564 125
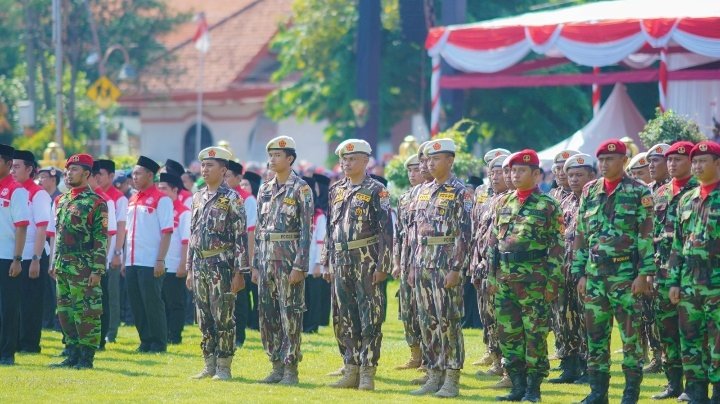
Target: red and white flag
201 39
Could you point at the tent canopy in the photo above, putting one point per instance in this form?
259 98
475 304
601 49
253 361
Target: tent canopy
617 118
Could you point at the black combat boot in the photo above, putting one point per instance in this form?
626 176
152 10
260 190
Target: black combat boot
71 359
674 387
599 384
698 392
87 356
519 381
716 394
571 370
532 392
633 379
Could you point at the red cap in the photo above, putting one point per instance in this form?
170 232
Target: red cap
705 147
612 146
682 147
80 159
527 157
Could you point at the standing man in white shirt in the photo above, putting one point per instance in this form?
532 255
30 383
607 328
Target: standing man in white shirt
14 219
173 292
35 254
104 176
150 227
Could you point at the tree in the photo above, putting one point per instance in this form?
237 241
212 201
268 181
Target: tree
669 127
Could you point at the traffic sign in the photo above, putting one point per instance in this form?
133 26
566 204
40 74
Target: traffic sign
104 92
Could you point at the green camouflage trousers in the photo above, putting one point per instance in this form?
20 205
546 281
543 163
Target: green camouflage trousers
649 331
569 317
486 306
523 318
408 312
699 314
607 297
666 318
281 308
79 308
216 308
440 311
359 304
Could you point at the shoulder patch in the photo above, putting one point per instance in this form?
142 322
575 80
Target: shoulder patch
646 201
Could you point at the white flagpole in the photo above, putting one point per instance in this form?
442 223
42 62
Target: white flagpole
198 123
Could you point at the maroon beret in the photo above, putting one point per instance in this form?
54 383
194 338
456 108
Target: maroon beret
612 146
527 157
705 147
683 148
80 159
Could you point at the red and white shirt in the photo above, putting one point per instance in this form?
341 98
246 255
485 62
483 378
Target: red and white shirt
150 214
250 208
121 203
112 222
185 198
180 236
40 206
14 212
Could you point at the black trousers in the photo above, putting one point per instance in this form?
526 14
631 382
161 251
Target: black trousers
313 302
472 313
126 315
105 316
325 303
253 316
242 311
50 321
190 310
173 294
10 292
148 308
32 305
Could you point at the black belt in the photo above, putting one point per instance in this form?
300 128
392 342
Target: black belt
599 260
522 256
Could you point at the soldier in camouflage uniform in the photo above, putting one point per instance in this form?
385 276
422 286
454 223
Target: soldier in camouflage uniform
613 258
666 317
358 249
217 261
526 248
407 302
443 231
694 277
481 225
579 169
282 240
80 257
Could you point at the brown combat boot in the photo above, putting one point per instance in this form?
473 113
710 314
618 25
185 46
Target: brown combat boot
290 375
414 361
496 369
487 359
338 372
504 383
420 380
350 379
655 365
432 385
367 378
451 386
223 371
209 369
276 374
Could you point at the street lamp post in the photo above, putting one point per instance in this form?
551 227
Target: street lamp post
126 72
57 34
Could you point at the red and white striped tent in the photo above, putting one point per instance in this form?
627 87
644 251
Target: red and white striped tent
631 33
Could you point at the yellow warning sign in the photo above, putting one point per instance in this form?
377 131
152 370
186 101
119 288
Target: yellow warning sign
104 92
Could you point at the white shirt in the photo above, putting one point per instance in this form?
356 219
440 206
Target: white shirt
14 212
40 206
112 223
180 236
251 212
318 239
150 214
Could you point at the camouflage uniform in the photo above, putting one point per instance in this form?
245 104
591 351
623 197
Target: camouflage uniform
401 254
217 249
358 213
695 269
526 243
80 250
666 313
282 242
560 193
613 245
443 236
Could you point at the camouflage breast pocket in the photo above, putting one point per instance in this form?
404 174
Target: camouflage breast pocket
713 225
218 217
593 219
661 211
359 210
288 209
626 219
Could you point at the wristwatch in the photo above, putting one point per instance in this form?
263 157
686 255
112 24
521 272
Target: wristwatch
35 257
117 253
17 258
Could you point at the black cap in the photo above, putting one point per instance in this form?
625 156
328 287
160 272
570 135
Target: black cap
475 181
173 167
148 163
102 164
321 179
6 150
172 179
235 167
24 155
380 179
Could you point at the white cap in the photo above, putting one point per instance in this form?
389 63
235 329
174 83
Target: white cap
215 152
439 146
352 146
579 160
281 142
639 161
658 150
492 154
412 161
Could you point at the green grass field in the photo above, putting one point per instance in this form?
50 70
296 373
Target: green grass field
120 374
